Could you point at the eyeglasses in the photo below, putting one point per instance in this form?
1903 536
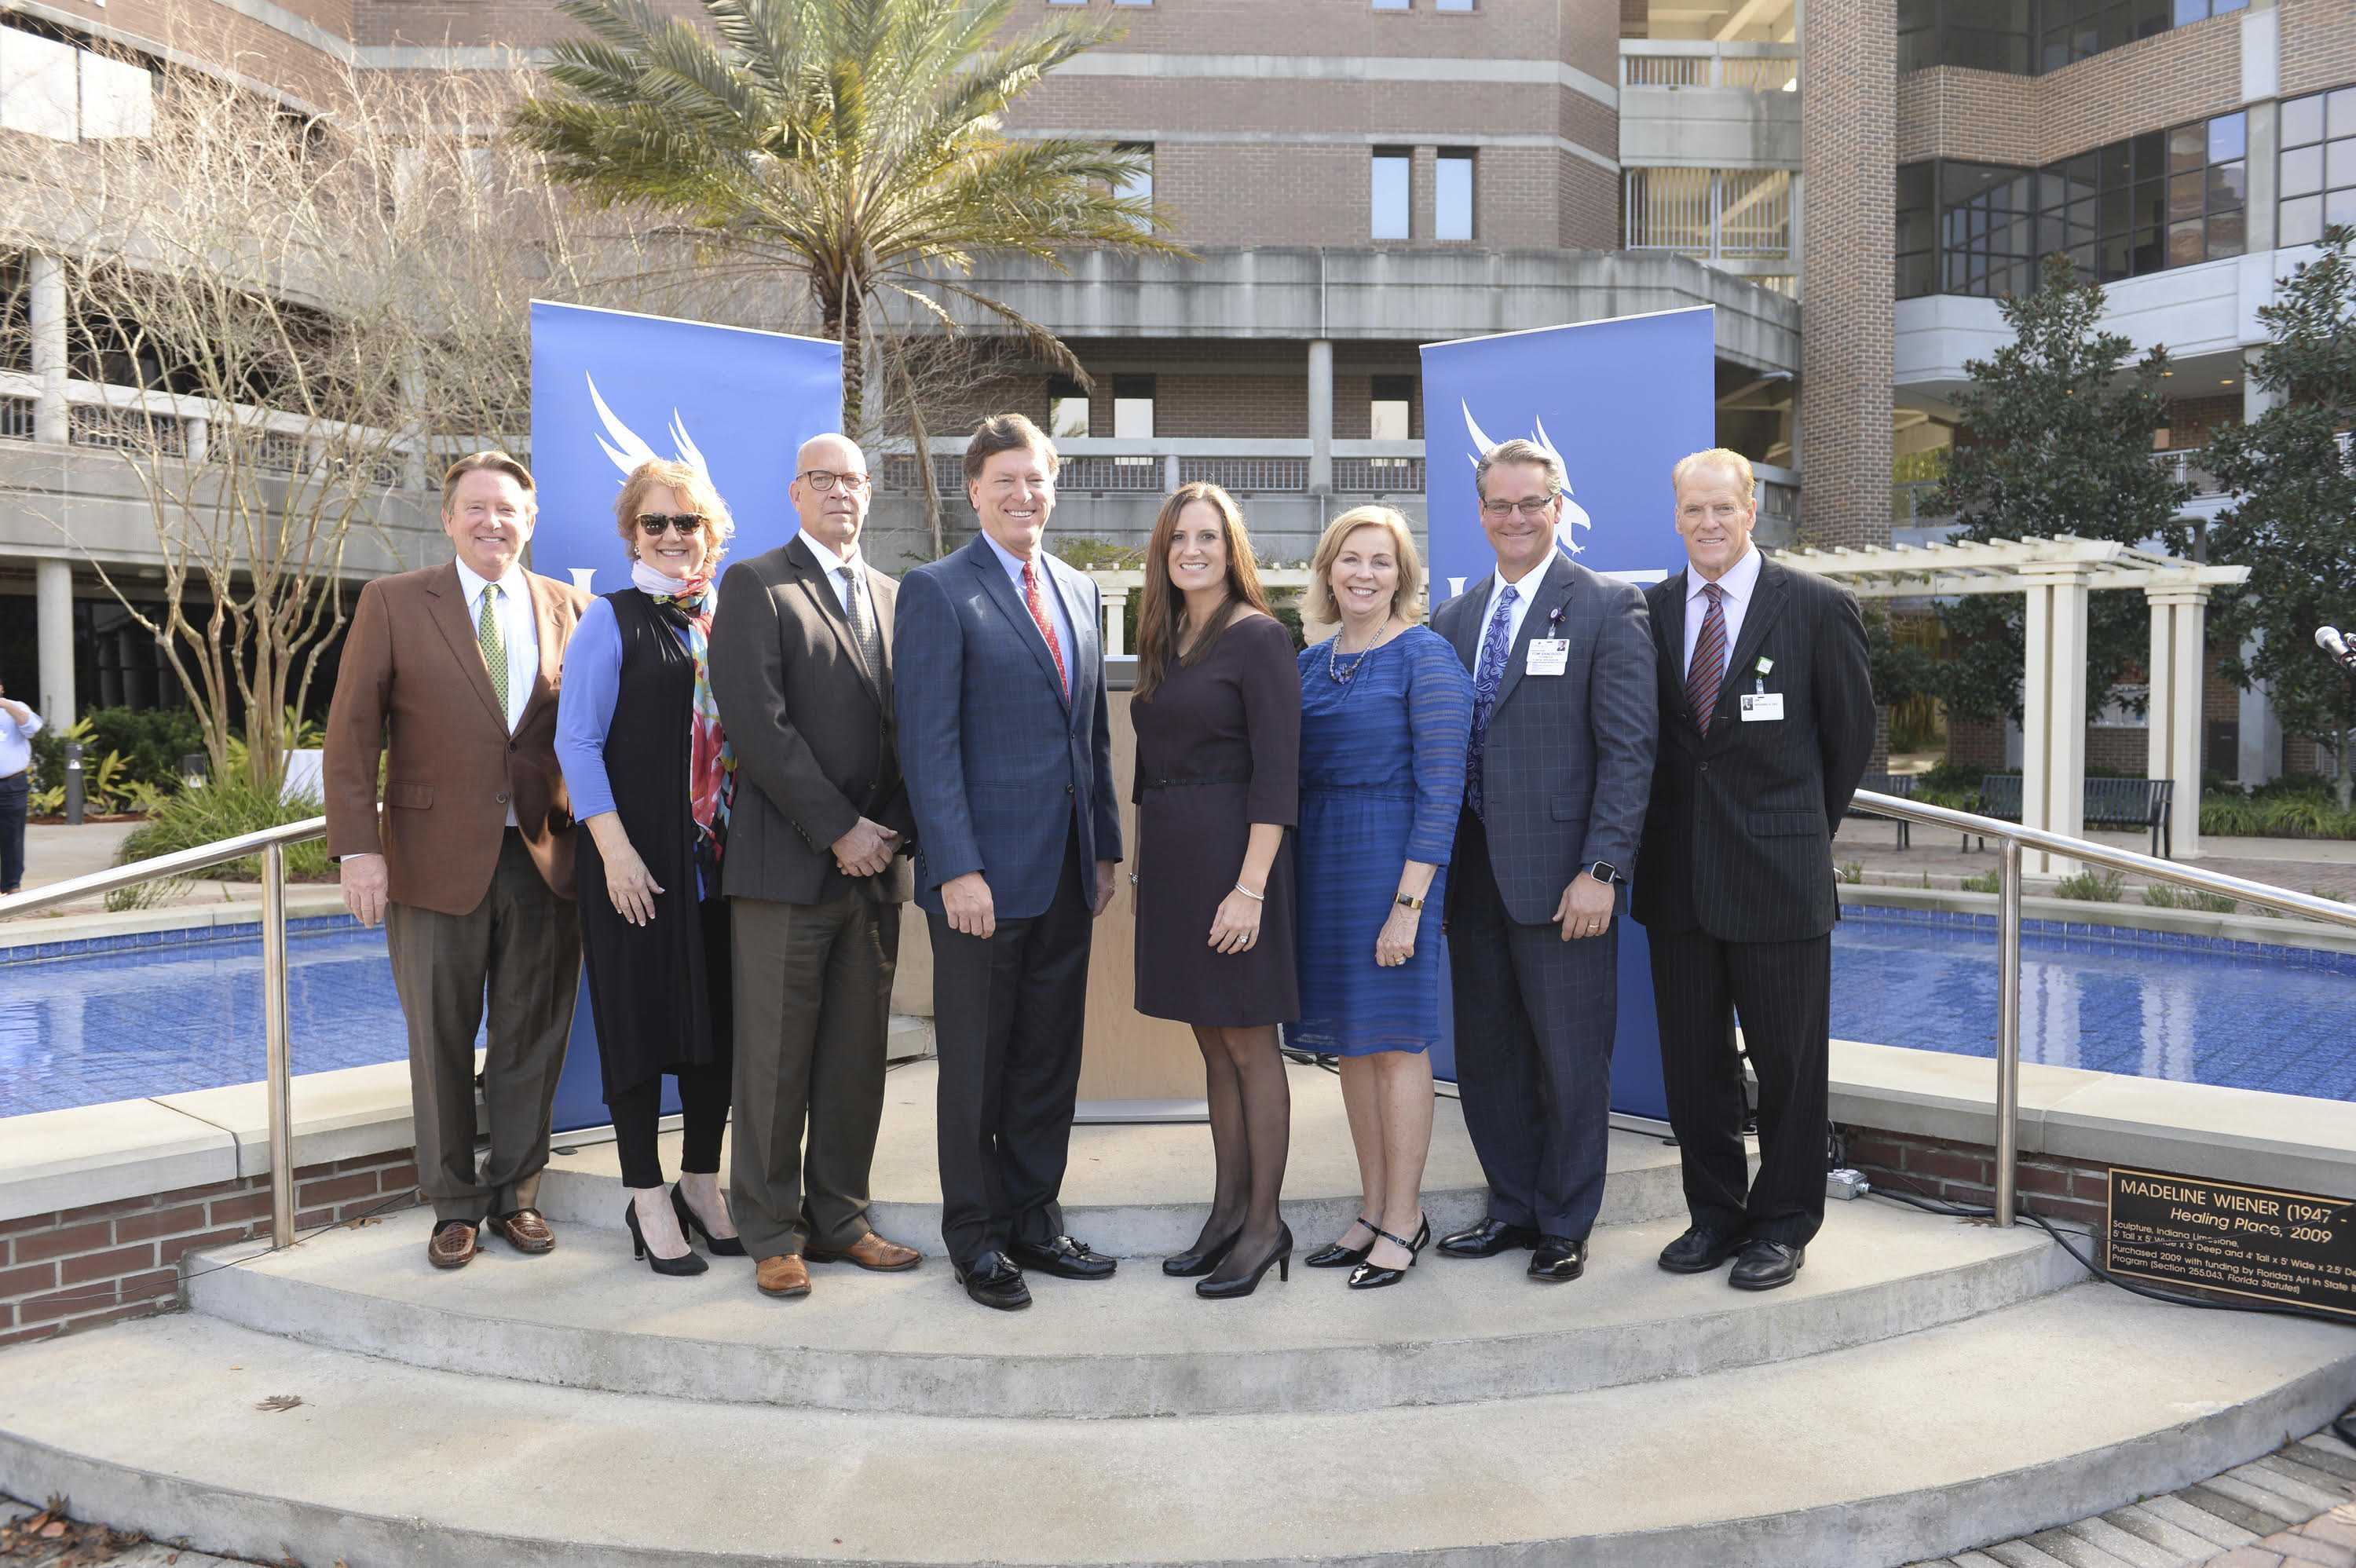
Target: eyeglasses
1531 510
653 524
824 479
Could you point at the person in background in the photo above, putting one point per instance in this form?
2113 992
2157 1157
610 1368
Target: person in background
817 873
449 679
1217 715
1386 712
1563 730
1004 738
652 777
18 725
1767 722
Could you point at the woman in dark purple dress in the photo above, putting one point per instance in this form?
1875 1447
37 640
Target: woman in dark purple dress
1217 712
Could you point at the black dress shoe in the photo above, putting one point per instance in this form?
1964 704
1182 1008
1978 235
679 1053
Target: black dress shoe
1063 1257
1186 1265
1559 1258
1699 1251
1487 1239
1763 1266
995 1282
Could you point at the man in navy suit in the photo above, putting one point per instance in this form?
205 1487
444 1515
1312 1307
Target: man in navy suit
999 673
1563 727
1767 721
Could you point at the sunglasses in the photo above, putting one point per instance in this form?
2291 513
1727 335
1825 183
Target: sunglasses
653 524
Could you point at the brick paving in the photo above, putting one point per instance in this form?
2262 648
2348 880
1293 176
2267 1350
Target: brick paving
2325 867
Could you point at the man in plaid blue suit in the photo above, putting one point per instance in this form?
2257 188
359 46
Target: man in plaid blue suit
1003 739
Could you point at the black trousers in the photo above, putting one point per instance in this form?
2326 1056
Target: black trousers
703 1116
13 794
1781 991
1007 1017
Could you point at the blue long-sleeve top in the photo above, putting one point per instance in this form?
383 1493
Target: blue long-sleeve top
584 711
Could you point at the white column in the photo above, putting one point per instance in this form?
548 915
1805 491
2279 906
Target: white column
2179 627
51 419
198 430
53 639
1321 417
2053 727
1116 610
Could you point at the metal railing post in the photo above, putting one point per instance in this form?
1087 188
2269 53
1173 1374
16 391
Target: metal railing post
274 1014
2007 1027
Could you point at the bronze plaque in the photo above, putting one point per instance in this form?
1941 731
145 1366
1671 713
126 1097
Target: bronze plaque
2258 1241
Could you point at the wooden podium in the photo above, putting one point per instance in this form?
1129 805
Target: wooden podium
1133 1068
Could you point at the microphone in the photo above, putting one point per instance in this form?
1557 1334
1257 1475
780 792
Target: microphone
2328 639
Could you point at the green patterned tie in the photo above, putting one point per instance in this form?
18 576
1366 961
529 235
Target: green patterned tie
495 648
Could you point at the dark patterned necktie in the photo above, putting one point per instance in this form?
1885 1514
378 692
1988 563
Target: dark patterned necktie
1488 675
1706 673
863 623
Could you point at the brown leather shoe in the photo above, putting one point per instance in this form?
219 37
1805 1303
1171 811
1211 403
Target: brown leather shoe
781 1277
872 1251
526 1230
453 1244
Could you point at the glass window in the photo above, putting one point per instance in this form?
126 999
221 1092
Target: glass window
2301 222
2186 196
1390 4
2302 120
1453 196
2340 162
1391 166
2340 111
2188 149
2339 207
2228 186
2185 244
1454 5
1068 408
2228 138
2302 171
1388 412
1132 407
2227 234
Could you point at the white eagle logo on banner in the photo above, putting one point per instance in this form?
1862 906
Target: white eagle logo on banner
1574 516
627 451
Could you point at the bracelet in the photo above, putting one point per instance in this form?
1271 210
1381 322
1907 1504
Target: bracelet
1407 901
1256 898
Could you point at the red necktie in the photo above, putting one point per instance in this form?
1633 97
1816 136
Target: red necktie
1046 627
1709 668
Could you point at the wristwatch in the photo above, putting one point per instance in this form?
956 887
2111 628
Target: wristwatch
1407 901
1604 872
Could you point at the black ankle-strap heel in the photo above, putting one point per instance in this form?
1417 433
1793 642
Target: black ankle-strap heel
1374 1276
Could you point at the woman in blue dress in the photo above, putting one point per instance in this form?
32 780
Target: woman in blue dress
1386 716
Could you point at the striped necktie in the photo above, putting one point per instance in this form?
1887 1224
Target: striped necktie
863 621
1706 673
495 647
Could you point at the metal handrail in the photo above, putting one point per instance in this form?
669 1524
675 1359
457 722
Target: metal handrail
2013 838
271 844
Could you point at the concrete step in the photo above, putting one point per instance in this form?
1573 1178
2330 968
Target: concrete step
1914 1447
1143 1192
587 1316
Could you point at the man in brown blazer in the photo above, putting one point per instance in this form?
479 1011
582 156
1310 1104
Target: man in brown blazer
450 676
801 667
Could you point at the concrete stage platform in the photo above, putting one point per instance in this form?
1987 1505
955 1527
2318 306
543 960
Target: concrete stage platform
1926 1387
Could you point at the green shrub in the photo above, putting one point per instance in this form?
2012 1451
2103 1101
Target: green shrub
1852 871
2168 895
2296 805
207 814
2091 887
1985 882
1956 788
151 742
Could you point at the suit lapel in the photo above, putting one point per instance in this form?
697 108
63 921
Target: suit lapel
551 646
1542 619
449 613
1464 629
1081 655
1672 660
884 596
1001 588
817 585
1766 603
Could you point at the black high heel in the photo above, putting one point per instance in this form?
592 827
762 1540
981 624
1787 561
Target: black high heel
687 1263
1186 1265
1374 1276
1244 1285
1333 1254
691 1226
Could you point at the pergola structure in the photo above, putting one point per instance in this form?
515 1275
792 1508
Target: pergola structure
2056 574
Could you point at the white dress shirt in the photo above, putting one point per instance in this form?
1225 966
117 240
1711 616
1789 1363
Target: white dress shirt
1525 589
15 741
1048 596
1741 580
833 566
518 628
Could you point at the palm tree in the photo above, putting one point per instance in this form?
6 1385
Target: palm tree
855 142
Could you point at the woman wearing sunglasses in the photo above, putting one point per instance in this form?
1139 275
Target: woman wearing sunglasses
651 776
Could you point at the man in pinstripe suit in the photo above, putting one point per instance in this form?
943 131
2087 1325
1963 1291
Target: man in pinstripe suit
1767 722
999 670
1563 720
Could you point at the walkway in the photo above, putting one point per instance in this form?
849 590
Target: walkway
2322 866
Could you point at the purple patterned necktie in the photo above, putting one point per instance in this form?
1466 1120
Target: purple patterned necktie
1708 670
1488 675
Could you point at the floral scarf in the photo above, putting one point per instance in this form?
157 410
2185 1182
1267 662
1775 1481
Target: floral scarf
712 762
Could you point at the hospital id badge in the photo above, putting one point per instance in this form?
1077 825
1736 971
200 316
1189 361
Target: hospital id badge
1549 656
1761 707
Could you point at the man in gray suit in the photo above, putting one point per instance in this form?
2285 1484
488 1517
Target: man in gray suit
1563 724
801 667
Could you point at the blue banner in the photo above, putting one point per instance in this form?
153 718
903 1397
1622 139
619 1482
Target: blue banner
610 389
1620 401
